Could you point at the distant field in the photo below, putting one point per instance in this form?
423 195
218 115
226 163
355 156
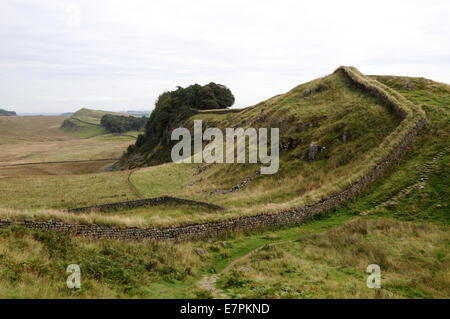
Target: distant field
30 139
22 129
38 141
67 189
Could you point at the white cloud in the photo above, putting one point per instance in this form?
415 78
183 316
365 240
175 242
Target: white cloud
124 53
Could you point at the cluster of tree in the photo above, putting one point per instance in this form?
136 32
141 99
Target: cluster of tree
7 113
209 96
173 107
121 123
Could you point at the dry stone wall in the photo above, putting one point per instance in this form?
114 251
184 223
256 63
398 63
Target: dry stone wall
142 203
243 223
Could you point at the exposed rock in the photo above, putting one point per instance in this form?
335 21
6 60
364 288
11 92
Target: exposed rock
195 182
319 88
313 151
135 158
223 243
237 187
392 203
261 116
288 145
201 168
200 251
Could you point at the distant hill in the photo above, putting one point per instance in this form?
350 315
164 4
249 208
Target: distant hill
7 113
335 134
139 113
92 116
87 123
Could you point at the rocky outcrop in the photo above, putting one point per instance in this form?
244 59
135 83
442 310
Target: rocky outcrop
314 150
238 187
319 88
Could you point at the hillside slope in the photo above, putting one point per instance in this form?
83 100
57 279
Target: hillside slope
400 222
357 121
361 125
85 123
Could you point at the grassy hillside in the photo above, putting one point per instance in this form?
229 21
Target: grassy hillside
85 123
320 111
91 116
29 139
400 222
332 112
321 259
324 111
24 129
42 166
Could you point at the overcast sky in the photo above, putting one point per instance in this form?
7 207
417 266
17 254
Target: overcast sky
59 56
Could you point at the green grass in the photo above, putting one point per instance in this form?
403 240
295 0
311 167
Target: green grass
166 213
84 130
323 117
238 245
331 264
64 191
85 123
166 179
329 255
326 260
30 129
26 139
92 116
337 108
431 202
33 264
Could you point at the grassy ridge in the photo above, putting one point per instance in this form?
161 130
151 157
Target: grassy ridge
85 123
26 139
409 239
411 114
322 111
30 129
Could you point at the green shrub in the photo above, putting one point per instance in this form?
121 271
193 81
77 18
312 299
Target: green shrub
121 123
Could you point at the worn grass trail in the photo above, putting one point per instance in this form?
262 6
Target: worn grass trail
208 282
